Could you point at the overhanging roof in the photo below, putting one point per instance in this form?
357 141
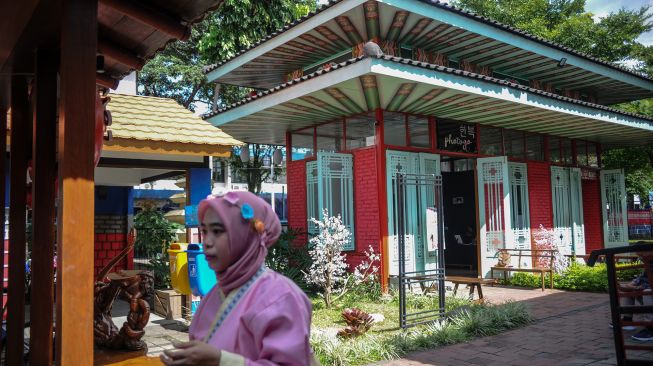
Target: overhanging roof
150 124
397 84
129 33
434 26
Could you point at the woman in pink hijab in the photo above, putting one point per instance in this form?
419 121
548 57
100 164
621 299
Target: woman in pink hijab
253 316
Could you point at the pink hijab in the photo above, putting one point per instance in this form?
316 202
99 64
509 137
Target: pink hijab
242 213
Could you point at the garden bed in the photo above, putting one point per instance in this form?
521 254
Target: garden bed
385 340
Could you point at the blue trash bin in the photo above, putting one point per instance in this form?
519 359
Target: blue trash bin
200 275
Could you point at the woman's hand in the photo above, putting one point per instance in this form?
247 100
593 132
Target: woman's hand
191 353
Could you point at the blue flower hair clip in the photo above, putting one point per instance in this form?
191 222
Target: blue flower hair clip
246 211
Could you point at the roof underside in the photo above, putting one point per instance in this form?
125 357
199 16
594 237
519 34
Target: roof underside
163 120
412 23
397 85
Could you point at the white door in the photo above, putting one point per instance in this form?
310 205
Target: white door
613 200
577 222
520 209
494 209
561 209
429 164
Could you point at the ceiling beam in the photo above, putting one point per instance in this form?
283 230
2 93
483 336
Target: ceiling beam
106 81
150 16
167 175
119 54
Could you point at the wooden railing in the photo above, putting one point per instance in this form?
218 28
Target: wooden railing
645 253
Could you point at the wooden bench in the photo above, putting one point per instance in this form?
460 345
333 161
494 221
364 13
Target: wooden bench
472 282
533 255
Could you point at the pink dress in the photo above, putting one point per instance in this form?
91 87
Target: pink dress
269 326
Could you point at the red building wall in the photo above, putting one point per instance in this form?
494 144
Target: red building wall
296 181
539 195
592 215
367 226
110 239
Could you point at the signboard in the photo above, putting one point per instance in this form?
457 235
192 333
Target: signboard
588 174
457 137
190 213
432 229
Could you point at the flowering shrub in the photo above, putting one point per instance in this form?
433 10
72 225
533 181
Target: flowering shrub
329 269
545 239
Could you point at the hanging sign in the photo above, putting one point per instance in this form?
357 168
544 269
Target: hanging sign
457 137
432 229
588 174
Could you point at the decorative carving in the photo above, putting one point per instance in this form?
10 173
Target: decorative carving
133 286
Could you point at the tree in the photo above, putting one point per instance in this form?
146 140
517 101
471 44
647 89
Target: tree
257 169
176 72
613 38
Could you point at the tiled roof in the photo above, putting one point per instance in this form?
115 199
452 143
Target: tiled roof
425 65
448 7
144 118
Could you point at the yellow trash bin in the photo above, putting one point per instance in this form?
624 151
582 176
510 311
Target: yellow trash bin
179 268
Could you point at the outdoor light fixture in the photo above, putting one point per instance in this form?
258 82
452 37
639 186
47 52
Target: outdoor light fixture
562 62
244 153
99 64
277 157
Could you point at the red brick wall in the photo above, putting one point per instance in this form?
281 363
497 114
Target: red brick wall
367 226
110 240
296 181
592 215
539 195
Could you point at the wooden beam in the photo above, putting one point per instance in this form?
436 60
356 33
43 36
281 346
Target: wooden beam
167 175
150 16
119 54
75 223
43 197
3 204
106 81
17 221
149 164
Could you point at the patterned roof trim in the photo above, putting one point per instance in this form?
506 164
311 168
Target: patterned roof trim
425 65
448 7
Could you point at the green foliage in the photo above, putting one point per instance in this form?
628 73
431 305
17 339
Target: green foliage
470 322
613 38
289 259
154 232
254 172
578 277
176 72
160 267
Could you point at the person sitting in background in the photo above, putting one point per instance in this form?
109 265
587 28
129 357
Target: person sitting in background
468 237
639 283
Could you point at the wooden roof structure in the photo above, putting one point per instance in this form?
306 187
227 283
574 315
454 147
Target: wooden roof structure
401 85
50 73
406 27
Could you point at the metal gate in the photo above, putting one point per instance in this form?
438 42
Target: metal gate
429 210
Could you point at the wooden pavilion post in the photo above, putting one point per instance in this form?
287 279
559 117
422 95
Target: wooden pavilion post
17 221
75 219
43 197
3 162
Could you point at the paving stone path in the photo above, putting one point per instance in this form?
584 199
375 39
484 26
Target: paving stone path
570 329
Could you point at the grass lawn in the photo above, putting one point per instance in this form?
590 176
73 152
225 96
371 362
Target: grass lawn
387 341
635 241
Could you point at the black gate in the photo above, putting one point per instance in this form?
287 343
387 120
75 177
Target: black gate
427 193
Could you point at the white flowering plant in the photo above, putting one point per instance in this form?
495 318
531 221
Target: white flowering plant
329 268
545 239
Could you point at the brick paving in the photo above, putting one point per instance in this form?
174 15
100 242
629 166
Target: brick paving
570 329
